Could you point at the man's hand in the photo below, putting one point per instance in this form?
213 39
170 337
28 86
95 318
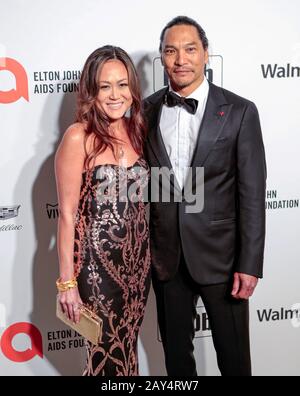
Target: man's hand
243 286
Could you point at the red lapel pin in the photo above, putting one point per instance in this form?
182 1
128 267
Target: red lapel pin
221 113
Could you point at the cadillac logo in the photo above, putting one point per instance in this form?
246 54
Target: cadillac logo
8 212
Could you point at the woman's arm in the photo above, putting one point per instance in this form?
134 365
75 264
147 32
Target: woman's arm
69 162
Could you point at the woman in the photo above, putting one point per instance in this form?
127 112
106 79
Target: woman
103 239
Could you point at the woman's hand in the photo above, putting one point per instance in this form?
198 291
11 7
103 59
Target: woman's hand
70 302
69 163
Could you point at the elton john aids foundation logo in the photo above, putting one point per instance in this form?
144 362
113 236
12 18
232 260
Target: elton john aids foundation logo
27 331
20 88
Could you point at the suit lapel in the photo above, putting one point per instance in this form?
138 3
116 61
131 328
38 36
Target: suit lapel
154 133
216 113
155 138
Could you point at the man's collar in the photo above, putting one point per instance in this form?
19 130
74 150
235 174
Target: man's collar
199 93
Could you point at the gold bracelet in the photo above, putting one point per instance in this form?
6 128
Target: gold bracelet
65 286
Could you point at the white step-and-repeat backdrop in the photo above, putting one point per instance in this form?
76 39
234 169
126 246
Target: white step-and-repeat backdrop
255 52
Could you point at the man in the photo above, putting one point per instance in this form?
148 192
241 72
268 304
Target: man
216 253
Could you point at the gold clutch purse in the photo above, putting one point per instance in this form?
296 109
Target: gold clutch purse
89 326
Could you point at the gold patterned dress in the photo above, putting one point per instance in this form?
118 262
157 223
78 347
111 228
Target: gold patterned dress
112 262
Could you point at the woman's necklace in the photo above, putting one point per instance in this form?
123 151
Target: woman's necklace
119 146
119 151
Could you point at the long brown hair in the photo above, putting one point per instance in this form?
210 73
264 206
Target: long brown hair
96 121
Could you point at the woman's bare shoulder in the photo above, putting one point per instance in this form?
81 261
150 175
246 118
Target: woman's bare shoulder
75 132
73 141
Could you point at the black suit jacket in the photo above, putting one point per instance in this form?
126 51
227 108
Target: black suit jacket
229 234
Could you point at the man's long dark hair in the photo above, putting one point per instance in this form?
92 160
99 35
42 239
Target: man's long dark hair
184 20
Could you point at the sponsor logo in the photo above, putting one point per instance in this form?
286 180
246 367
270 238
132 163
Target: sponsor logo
276 71
55 81
61 340
52 211
11 227
21 81
202 326
271 315
43 82
58 340
213 72
9 212
273 202
36 342
296 317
